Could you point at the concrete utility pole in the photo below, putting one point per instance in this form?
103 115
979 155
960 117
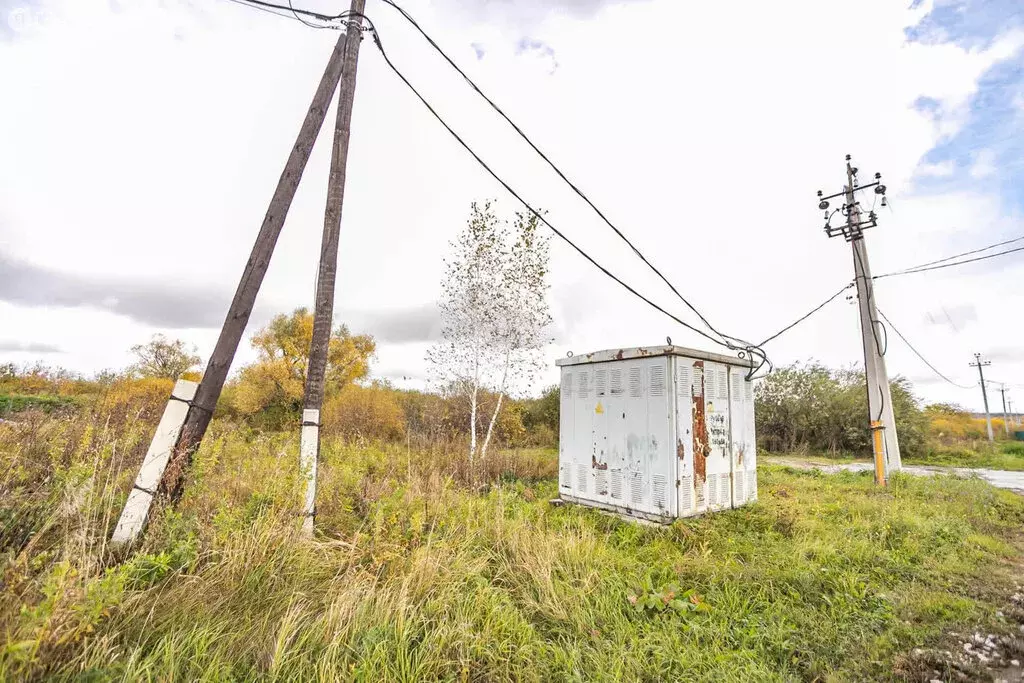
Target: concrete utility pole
201 408
979 363
323 316
1006 420
882 420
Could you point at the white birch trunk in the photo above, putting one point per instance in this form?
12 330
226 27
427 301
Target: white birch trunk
497 407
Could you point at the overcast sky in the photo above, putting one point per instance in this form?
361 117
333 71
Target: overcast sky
141 142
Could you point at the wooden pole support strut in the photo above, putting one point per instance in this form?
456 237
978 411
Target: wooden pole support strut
136 509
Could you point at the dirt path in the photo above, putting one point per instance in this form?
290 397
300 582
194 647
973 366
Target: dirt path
1013 481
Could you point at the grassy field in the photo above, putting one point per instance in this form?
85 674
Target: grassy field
416 576
1003 455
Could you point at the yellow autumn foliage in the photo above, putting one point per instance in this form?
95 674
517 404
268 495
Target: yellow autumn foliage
372 412
144 398
272 386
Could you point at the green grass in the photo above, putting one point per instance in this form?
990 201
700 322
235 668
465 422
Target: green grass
1003 455
415 576
14 403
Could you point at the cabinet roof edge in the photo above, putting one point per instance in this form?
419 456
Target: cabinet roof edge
612 355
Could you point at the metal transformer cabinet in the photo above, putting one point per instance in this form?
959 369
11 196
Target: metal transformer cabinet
658 432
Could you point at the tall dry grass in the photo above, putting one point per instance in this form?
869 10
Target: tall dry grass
420 571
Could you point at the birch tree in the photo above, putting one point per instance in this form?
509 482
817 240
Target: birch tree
494 314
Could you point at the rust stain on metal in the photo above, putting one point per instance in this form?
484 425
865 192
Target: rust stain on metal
680 449
739 456
597 465
701 446
618 356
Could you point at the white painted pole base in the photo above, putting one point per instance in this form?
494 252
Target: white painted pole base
309 449
136 509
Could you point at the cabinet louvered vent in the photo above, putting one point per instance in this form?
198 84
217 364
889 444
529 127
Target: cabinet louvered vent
601 382
683 379
685 495
636 382
601 482
738 481
583 388
657 380
617 382
699 493
723 385
737 388
712 490
582 475
698 382
617 484
724 494
660 485
566 389
748 390
636 490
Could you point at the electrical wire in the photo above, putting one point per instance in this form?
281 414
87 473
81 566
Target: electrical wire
918 354
922 269
875 322
534 211
246 3
726 340
299 18
296 11
745 345
807 315
967 253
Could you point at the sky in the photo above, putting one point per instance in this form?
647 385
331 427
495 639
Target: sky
140 143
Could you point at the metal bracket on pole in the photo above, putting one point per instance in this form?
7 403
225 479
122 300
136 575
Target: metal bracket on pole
136 509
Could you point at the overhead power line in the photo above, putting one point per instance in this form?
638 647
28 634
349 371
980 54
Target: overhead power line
562 175
807 315
918 354
246 3
967 253
534 211
925 267
294 10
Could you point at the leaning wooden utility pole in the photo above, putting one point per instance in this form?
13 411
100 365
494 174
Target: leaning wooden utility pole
201 408
323 314
882 420
979 363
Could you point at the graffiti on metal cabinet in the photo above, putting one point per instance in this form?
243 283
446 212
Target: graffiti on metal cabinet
718 427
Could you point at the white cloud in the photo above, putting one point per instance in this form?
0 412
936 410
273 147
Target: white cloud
984 164
148 147
941 169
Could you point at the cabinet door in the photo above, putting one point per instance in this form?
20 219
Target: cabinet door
686 494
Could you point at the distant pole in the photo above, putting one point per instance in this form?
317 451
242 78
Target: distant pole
323 315
1006 421
201 409
881 418
1013 418
979 363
